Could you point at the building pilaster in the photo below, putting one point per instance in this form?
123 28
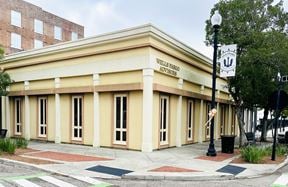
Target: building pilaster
27 112
201 124
147 116
179 116
57 113
96 105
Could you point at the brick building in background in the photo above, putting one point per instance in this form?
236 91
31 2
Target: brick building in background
24 26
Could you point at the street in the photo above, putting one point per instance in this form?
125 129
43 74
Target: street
14 174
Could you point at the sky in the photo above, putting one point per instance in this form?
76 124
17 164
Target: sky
182 19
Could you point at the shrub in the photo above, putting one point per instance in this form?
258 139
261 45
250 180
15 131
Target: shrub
21 143
7 145
281 150
252 154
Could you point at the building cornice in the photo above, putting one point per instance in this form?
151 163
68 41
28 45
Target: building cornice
126 34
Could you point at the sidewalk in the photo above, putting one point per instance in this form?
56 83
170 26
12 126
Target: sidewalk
183 163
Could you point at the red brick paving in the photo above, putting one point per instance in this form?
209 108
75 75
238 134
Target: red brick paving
172 169
219 158
66 156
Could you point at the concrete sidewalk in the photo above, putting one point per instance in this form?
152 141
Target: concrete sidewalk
183 163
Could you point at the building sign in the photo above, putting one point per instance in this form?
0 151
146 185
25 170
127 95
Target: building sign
168 68
228 60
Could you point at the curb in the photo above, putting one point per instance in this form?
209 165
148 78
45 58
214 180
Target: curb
179 177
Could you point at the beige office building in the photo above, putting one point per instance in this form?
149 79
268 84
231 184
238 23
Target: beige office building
137 89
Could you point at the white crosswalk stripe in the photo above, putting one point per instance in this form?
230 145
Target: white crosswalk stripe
281 181
56 182
87 179
25 183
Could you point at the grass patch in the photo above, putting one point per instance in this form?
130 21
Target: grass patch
254 154
8 145
21 143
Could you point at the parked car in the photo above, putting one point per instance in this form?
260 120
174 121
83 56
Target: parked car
283 136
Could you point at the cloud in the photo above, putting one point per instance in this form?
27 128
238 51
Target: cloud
100 17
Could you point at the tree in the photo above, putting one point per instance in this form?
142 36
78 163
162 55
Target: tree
5 79
259 28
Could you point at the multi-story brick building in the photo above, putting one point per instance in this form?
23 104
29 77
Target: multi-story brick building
25 26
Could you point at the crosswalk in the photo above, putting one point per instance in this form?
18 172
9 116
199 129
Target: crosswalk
43 180
281 181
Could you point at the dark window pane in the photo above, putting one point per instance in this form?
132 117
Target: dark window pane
41 130
189 135
18 128
118 111
45 111
80 133
161 136
18 111
45 130
75 133
124 136
124 112
41 111
164 136
118 136
75 112
80 112
164 114
161 114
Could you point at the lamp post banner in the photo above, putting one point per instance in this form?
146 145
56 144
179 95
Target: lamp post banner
228 60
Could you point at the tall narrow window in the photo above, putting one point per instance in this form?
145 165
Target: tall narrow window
18 117
207 128
120 119
223 120
190 116
164 116
57 33
15 40
77 108
74 36
42 116
38 26
15 18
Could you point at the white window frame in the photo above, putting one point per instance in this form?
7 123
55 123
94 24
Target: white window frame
18 116
57 33
78 126
164 120
42 116
207 128
38 44
16 18
16 40
38 26
190 119
121 128
74 36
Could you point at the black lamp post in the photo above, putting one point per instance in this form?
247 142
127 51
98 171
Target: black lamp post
216 21
277 116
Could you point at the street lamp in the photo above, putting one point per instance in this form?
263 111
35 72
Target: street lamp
277 116
216 20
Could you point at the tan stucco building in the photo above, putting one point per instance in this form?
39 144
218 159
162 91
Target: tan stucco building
138 89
